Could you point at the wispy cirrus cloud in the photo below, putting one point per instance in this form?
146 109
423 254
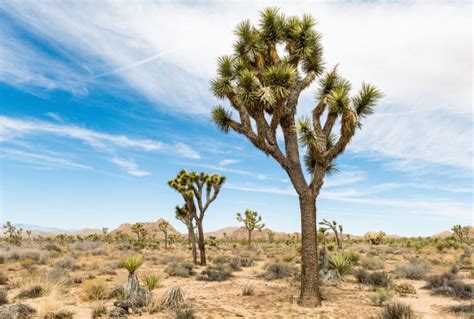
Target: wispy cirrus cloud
129 166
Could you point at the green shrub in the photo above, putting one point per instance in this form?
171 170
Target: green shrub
397 311
278 270
372 264
151 282
330 246
341 263
412 271
99 311
288 258
180 269
352 256
448 284
377 278
381 296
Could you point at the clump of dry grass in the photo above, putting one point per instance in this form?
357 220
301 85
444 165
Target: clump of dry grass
53 307
95 289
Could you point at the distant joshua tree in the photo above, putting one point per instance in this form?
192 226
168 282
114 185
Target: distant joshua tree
462 233
163 226
191 186
13 235
251 221
337 229
28 233
263 85
140 231
182 213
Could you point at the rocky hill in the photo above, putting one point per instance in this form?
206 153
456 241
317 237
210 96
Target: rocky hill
151 228
237 233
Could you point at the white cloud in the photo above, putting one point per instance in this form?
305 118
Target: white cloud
186 151
225 162
423 66
41 160
129 166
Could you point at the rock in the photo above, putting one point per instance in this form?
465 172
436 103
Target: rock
16 311
405 289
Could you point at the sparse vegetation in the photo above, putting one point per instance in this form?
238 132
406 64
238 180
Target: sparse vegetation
397 311
341 263
252 221
180 269
151 282
278 270
215 273
381 296
95 289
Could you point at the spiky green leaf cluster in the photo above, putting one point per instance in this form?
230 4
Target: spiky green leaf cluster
251 219
221 117
365 101
185 182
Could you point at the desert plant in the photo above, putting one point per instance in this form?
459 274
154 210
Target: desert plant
448 284
183 214
95 289
191 186
3 297
133 291
3 278
140 231
468 309
67 263
341 263
252 220
163 226
132 263
377 278
248 290
278 270
173 299
215 273
337 229
151 282
180 269
264 87
413 271
397 311
352 256
99 311
461 232
372 264
405 289
12 234
35 291
381 296
377 239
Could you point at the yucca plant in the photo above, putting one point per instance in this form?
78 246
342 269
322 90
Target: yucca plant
263 85
341 263
132 263
151 282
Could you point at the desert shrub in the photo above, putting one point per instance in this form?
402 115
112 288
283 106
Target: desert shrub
220 259
278 270
2 259
352 256
3 278
99 311
463 309
3 297
53 248
376 279
35 291
180 269
341 263
95 289
405 289
215 273
452 287
86 245
248 290
235 264
57 275
436 281
246 261
60 314
132 263
288 258
372 264
381 296
67 263
17 311
32 254
412 271
397 311
151 282
185 312
330 246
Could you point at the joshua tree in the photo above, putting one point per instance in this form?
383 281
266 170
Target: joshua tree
140 231
337 229
13 235
191 186
251 221
183 214
135 295
28 233
462 233
163 226
263 85
271 236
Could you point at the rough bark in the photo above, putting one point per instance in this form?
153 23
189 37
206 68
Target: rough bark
310 295
192 241
250 239
201 244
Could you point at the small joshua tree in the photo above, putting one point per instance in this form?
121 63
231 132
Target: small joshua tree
251 221
191 186
140 231
271 236
13 235
28 233
262 79
182 214
462 233
337 229
163 226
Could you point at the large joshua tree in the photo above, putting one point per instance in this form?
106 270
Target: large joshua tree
183 214
263 78
251 220
191 186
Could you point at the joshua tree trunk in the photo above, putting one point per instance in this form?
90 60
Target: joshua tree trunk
309 295
192 242
201 244
166 240
250 238
132 288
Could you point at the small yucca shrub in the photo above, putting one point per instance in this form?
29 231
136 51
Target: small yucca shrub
341 263
151 282
132 263
248 290
397 311
381 296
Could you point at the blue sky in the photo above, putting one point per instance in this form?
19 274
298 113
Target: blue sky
102 103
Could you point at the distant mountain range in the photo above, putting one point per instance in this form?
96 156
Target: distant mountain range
233 232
